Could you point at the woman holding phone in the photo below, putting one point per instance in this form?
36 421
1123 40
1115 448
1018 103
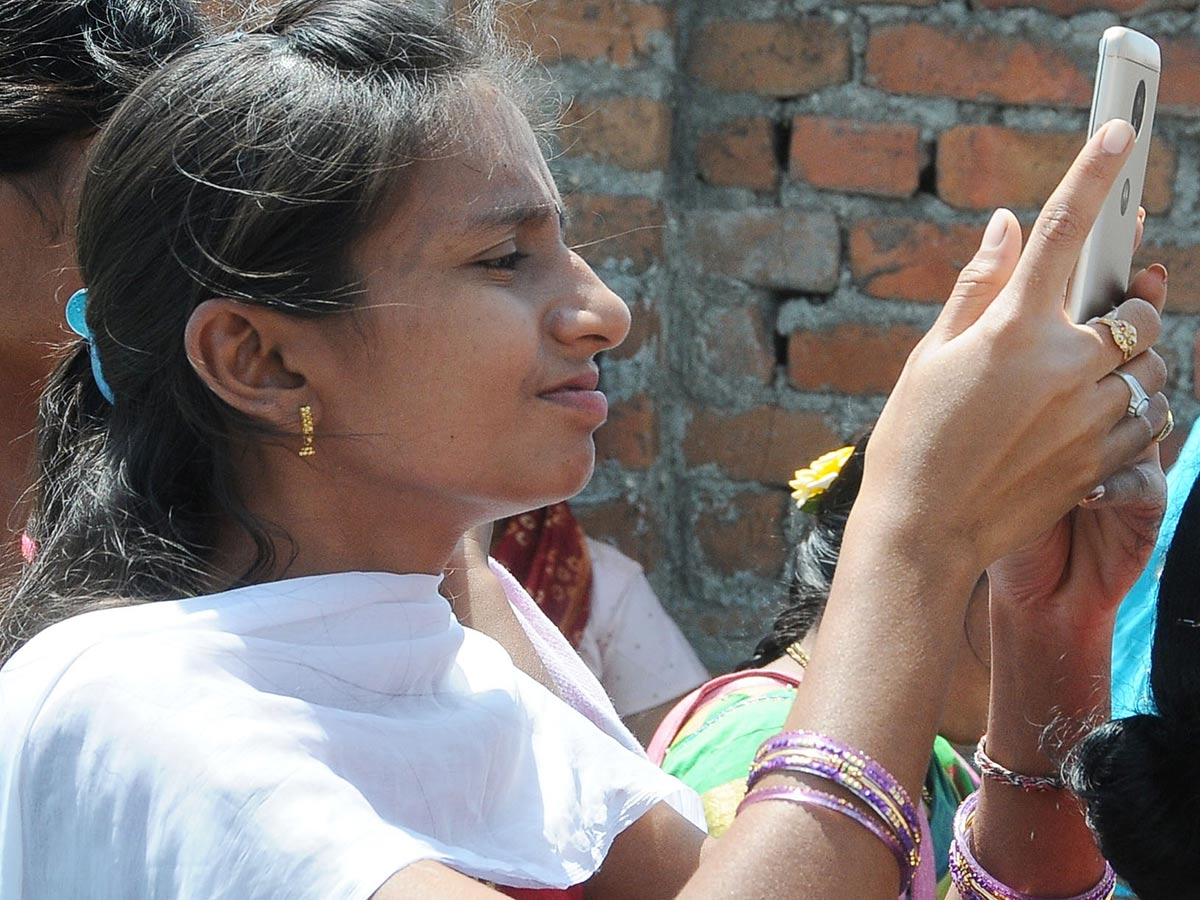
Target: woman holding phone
331 324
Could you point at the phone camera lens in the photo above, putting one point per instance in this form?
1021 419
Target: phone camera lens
1139 108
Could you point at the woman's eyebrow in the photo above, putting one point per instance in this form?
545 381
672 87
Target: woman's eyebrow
509 216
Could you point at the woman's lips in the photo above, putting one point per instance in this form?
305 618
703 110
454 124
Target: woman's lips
591 403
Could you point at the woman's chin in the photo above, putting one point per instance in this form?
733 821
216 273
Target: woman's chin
563 483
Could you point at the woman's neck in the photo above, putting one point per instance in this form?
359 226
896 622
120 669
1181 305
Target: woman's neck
321 523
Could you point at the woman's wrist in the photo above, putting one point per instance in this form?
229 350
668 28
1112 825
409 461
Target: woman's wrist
1049 682
895 534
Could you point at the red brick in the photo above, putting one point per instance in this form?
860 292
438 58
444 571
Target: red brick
860 157
985 166
746 534
737 344
906 259
631 132
774 59
605 228
627 526
1183 268
784 249
617 30
850 358
740 154
766 444
1180 86
630 436
1073 7
975 65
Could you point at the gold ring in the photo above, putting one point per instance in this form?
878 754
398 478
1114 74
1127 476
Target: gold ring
1124 335
1166 429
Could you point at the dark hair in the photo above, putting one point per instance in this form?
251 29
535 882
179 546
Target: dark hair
1138 776
814 561
66 64
246 168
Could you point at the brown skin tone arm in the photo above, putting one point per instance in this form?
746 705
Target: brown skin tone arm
645 723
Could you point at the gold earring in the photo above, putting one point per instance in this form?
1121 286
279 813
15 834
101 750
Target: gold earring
306 429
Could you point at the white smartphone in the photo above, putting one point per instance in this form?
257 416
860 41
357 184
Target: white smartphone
1126 88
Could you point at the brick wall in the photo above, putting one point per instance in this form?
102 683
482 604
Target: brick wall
784 192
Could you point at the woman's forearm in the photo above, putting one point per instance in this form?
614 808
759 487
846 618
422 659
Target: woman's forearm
876 683
1047 683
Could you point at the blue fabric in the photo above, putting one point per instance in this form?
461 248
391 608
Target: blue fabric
1134 631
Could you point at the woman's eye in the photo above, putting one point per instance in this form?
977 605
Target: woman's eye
508 262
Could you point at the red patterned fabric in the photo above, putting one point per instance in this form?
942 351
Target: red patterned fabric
545 551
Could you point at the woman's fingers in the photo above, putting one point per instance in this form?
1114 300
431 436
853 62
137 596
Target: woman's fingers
1133 457
1125 333
1123 390
1142 484
1063 225
982 279
1150 285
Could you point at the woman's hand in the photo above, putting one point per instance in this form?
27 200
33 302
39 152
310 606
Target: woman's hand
1053 603
1007 413
1085 564
1090 558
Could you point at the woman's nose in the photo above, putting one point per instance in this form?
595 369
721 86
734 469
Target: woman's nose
591 312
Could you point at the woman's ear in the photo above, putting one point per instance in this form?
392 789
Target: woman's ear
251 357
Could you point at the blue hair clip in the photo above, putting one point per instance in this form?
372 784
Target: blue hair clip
77 320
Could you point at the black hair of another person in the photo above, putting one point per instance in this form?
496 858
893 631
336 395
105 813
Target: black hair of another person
248 167
1138 776
65 65
813 562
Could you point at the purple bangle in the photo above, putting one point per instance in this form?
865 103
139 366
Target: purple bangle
883 779
992 770
974 882
810 797
852 780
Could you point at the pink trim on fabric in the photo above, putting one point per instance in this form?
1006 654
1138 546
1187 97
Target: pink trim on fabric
575 683
710 690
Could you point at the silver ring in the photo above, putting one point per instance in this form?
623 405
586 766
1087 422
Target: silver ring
1139 400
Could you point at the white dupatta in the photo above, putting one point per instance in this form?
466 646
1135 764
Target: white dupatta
301 739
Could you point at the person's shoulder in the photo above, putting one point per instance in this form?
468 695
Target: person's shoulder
90 676
104 671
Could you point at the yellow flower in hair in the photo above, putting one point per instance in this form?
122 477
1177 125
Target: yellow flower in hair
809 484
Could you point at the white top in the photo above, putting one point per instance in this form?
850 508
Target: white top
301 739
630 643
